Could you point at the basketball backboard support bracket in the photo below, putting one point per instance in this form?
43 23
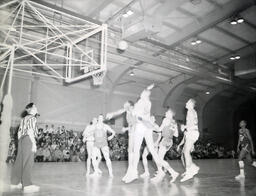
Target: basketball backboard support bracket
61 45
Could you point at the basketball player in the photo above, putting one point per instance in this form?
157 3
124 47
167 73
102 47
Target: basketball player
146 151
190 137
21 172
246 144
143 129
88 138
168 129
128 109
101 144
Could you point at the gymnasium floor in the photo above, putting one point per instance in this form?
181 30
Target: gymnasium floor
216 177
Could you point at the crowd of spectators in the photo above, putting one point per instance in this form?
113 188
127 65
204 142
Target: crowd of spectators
62 145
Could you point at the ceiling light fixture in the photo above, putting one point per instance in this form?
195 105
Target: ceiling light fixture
125 15
132 73
233 22
236 20
198 41
234 57
207 93
128 13
240 20
195 42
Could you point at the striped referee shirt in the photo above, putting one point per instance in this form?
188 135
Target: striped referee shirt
28 123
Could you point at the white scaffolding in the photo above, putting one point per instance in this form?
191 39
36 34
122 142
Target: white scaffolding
51 43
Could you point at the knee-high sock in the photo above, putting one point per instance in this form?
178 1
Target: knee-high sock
241 166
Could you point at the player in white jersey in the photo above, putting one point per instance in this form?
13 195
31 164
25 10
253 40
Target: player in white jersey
146 151
88 138
168 129
128 109
190 137
143 129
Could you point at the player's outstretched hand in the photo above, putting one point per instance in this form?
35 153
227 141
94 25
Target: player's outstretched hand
150 86
109 116
182 127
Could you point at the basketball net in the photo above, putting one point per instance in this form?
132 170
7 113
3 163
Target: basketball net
98 78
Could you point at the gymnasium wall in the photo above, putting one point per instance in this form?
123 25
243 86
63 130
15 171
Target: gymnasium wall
73 105
218 118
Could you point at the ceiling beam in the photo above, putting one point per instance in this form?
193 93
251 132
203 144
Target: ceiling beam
182 67
250 24
243 52
99 8
171 26
214 3
208 21
214 44
187 13
120 11
198 54
220 29
60 9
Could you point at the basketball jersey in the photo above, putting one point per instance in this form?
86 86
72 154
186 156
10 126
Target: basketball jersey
130 119
27 125
244 140
192 121
89 133
142 109
170 130
100 137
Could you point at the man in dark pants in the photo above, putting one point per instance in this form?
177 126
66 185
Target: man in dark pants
21 173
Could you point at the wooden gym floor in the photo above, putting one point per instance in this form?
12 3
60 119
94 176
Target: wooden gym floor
216 178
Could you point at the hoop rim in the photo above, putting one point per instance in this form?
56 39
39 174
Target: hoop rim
98 77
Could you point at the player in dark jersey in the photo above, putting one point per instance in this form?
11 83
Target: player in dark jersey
101 144
245 148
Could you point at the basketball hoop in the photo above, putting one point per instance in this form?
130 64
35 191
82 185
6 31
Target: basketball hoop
98 78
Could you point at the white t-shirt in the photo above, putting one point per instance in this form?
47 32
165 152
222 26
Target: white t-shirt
192 121
88 133
142 109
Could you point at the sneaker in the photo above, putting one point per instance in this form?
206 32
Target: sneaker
145 175
31 189
125 177
183 174
174 177
16 186
159 177
131 178
187 177
194 170
95 174
239 177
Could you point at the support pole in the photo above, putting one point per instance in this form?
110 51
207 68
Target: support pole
5 126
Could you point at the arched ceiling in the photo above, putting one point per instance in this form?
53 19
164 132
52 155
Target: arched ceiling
160 34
